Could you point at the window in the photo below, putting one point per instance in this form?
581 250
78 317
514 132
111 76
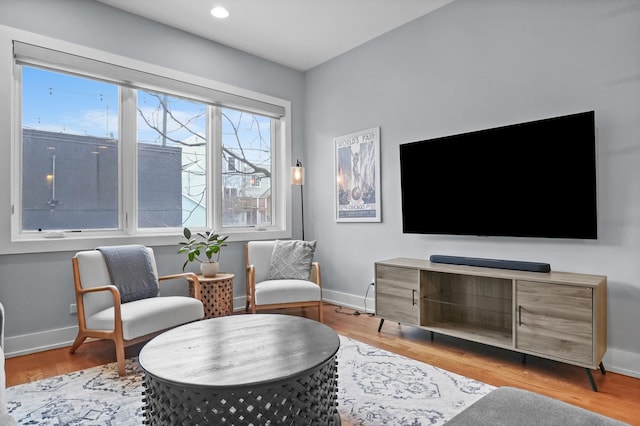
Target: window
69 152
108 149
172 161
246 140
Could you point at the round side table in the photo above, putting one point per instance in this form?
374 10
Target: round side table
217 294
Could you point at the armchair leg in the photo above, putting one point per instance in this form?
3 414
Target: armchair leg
80 338
320 315
120 356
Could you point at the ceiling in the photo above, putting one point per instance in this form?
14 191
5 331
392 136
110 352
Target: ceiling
296 33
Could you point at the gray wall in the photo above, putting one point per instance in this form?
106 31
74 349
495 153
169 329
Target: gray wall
472 65
37 289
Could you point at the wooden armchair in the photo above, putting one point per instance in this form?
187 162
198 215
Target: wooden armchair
102 313
264 292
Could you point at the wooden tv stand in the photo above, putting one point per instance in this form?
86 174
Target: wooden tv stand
556 315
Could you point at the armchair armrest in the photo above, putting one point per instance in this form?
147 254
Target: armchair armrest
189 276
251 286
116 302
112 288
315 274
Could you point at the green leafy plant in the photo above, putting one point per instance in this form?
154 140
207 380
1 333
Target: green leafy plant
207 244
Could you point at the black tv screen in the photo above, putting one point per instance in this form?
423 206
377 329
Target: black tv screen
533 179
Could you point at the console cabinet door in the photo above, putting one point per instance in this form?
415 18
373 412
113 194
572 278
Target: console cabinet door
398 294
555 320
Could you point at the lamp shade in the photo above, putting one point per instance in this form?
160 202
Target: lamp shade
297 174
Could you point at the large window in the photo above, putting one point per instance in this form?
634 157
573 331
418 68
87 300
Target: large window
103 152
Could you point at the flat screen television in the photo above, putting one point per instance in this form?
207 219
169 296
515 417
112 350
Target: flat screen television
533 179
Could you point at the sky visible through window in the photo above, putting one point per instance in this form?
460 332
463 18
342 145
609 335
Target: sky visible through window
63 103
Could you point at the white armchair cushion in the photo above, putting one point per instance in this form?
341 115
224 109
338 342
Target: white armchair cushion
286 291
145 316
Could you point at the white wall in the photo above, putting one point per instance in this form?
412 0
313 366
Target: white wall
472 65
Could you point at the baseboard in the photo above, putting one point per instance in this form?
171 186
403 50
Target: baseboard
39 342
358 303
622 362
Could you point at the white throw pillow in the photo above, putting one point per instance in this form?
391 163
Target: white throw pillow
291 260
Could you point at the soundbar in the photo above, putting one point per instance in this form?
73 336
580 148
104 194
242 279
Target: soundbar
517 265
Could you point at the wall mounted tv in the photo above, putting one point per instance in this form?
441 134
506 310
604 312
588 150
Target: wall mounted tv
533 179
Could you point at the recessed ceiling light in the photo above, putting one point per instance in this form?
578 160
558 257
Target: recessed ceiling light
220 12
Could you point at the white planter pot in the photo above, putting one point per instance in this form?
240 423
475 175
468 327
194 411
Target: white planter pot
209 269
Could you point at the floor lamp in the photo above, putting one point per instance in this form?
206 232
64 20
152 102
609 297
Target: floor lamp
297 178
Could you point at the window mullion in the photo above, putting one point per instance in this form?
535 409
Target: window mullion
128 209
215 169
279 180
16 164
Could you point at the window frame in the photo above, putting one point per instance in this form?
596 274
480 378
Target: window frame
12 241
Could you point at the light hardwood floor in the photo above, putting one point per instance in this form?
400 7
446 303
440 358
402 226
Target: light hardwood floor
618 396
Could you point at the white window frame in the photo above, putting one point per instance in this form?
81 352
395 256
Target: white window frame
12 241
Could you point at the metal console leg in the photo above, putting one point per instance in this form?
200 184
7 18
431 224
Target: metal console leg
591 381
590 376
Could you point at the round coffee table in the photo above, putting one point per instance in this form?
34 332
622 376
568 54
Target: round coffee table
250 369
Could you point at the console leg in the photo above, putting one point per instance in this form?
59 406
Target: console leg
602 370
591 381
432 336
524 359
380 326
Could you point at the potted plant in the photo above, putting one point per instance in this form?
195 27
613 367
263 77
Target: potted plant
207 244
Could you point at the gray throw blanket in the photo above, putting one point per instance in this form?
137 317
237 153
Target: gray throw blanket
131 271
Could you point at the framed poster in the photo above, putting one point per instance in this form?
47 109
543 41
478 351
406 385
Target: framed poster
357 170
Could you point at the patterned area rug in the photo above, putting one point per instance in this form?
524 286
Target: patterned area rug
375 387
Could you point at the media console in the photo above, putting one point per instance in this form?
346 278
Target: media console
555 315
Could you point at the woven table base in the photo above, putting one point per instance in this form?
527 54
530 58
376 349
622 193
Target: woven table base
309 399
217 297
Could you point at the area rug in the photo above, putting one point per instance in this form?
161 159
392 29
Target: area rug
375 387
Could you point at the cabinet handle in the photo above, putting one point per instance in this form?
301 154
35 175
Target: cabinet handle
413 297
519 314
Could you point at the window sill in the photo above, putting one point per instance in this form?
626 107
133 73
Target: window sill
76 241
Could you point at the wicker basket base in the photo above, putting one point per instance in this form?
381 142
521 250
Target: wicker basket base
309 399
217 296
